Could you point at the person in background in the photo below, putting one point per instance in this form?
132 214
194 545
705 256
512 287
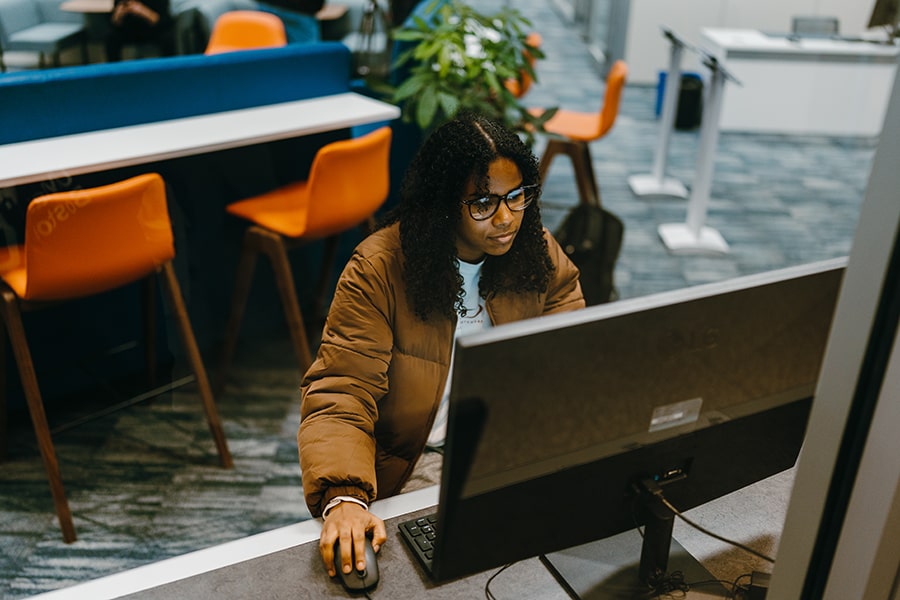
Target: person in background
140 22
463 250
299 18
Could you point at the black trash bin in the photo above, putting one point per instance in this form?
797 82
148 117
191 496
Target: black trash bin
689 109
690 102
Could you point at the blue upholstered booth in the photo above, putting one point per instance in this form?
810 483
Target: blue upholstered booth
39 104
52 102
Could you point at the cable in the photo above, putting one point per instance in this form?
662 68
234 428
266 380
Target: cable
731 587
669 584
487 586
673 582
702 529
735 586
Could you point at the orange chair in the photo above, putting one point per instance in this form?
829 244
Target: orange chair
575 130
111 236
348 181
520 86
244 30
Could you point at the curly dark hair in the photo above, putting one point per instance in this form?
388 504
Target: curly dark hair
429 215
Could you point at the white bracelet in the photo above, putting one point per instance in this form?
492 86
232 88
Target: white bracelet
338 499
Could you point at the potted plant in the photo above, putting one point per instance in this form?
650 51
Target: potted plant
460 59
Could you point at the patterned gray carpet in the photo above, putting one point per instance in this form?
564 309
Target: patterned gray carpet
144 482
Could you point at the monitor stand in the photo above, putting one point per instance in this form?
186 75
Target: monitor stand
629 566
608 569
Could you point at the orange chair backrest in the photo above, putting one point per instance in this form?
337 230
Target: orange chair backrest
83 242
519 87
615 82
349 180
245 30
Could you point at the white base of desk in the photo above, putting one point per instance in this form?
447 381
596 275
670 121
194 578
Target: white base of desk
649 185
679 239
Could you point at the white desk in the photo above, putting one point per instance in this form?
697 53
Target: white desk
802 85
60 157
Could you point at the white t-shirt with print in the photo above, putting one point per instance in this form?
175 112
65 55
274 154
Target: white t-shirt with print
474 319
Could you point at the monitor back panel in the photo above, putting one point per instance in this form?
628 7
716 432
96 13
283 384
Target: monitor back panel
545 409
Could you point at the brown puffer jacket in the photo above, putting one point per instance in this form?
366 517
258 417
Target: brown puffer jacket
369 398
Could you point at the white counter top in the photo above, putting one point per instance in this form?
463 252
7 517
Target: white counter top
737 41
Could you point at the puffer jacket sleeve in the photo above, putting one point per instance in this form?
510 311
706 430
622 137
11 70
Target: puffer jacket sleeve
341 390
564 292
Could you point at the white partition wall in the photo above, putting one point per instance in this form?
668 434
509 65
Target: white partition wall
840 537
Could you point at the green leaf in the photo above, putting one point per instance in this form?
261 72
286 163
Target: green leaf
408 88
449 103
427 108
408 35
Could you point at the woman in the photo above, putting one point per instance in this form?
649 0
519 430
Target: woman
463 250
140 22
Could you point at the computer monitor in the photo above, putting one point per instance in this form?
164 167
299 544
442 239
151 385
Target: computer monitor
559 425
885 13
815 26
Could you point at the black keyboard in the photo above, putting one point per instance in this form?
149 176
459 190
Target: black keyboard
419 534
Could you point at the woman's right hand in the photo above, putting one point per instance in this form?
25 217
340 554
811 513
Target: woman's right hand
351 524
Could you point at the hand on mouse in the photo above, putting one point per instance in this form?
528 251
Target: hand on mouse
350 523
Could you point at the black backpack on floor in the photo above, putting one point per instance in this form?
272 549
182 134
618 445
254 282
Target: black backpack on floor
591 236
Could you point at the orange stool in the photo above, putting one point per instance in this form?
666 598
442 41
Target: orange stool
348 182
245 30
112 235
519 87
575 130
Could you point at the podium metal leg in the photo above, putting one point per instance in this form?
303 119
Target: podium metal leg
657 183
693 236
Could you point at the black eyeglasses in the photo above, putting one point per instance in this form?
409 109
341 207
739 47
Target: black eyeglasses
517 200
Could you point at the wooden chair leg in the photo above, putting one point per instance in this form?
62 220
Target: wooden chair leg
148 300
4 414
16 330
243 278
329 256
173 291
588 191
553 148
273 246
579 154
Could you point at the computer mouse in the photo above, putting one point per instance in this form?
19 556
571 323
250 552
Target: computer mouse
358 580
